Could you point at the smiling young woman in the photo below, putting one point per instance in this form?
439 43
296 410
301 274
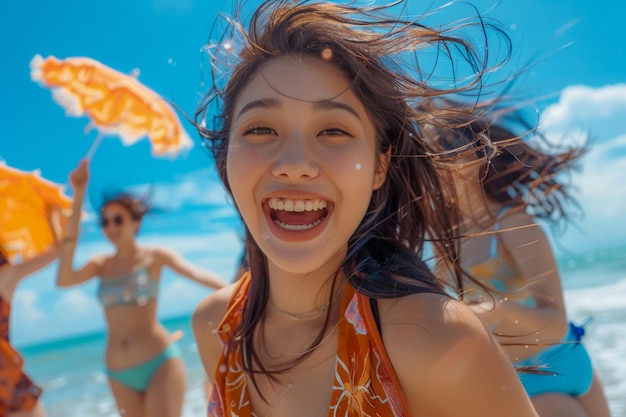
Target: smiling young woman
317 142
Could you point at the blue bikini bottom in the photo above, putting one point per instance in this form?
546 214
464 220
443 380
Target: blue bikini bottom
138 377
567 368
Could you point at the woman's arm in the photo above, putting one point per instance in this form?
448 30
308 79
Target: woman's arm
66 274
186 269
529 250
12 274
447 362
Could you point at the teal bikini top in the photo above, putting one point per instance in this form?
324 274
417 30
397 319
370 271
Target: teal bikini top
137 288
501 274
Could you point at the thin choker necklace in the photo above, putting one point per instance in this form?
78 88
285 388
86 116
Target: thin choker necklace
305 315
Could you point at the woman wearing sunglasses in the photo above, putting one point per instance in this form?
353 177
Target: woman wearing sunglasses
146 374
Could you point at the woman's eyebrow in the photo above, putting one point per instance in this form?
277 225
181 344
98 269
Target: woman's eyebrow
264 103
319 105
335 105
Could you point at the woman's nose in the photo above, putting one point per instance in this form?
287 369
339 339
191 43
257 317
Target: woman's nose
296 160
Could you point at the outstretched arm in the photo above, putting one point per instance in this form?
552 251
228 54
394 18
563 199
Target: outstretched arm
11 275
186 269
66 274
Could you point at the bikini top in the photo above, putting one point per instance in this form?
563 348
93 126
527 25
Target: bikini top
136 288
501 273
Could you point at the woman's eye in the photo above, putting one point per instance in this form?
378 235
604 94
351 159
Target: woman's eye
333 132
259 130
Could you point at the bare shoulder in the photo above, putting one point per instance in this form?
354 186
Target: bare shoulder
206 318
429 321
212 309
160 254
439 350
98 262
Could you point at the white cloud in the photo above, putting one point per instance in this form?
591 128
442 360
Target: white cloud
76 303
598 111
215 246
25 308
601 113
70 313
180 297
198 188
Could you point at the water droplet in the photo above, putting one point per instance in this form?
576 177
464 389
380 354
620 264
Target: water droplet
358 167
516 321
526 347
266 235
506 298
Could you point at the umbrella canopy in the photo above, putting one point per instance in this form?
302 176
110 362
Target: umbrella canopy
26 204
115 102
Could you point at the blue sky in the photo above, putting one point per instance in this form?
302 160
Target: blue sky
579 71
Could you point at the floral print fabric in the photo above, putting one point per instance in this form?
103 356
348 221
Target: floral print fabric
365 383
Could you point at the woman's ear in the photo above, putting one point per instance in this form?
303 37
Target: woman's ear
381 169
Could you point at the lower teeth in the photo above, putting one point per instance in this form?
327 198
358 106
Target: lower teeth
297 227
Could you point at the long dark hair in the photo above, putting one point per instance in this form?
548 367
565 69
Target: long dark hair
374 52
137 207
519 167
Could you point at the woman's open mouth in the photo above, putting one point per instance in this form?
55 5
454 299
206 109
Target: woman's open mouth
297 215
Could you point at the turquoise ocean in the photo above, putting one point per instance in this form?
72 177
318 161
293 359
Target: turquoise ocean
71 371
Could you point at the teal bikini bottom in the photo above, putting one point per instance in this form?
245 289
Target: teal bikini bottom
138 377
567 368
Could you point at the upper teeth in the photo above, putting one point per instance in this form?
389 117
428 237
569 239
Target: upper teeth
296 205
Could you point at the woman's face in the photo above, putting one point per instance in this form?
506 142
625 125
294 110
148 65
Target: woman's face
117 223
302 162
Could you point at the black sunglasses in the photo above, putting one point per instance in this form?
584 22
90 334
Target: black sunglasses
116 220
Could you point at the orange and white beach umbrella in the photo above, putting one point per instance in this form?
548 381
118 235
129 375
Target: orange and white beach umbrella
115 102
26 202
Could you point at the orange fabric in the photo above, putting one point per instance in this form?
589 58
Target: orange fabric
17 391
116 103
25 201
365 383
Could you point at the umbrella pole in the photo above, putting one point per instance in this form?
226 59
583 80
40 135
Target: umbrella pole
94 146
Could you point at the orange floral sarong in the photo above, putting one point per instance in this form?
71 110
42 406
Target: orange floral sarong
17 391
365 382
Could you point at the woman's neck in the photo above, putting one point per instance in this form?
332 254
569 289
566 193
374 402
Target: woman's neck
304 295
126 249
